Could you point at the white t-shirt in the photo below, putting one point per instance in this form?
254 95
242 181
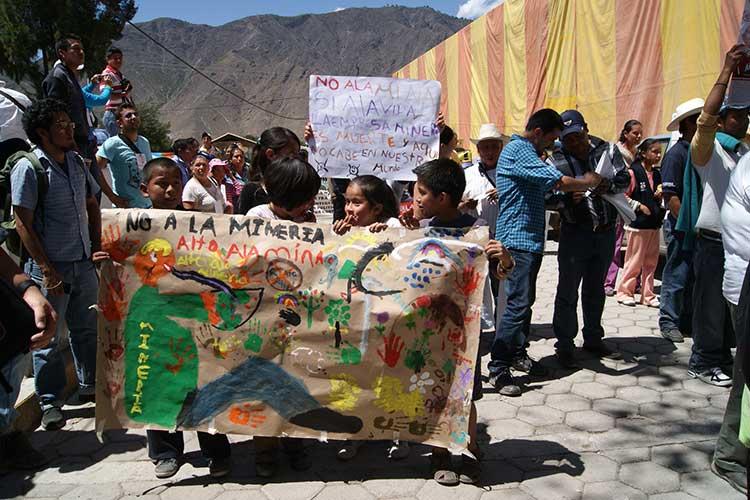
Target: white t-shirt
715 179
205 200
735 221
262 211
477 185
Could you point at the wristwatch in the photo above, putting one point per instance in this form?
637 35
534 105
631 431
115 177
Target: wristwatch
25 285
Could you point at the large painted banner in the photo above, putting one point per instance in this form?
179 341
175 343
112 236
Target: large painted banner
368 125
250 326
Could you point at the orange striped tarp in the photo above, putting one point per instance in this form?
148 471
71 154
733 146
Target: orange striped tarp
611 59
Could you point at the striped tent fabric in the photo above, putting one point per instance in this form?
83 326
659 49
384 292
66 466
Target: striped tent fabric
611 59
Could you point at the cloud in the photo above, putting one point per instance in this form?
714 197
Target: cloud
475 8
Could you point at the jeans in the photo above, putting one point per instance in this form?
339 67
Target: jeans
731 455
713 334
164 444
513 330
110 123
80 292
676 285
583 257
13 372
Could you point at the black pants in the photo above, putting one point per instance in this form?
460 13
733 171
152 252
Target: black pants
713 332
163 445
583 258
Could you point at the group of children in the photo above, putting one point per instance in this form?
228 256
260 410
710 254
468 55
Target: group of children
286 190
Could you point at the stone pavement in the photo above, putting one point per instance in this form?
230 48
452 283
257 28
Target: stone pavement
631 429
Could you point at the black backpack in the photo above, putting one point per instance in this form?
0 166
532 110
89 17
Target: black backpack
8 233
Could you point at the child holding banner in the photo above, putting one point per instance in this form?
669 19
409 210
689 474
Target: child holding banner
291 185
437 193
369 202
162 184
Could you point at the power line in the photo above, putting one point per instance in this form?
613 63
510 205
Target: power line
202 108
225 89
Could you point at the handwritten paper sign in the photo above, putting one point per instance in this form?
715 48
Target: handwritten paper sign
367 125
251 326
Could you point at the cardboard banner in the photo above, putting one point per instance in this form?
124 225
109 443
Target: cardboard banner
250 326
367 125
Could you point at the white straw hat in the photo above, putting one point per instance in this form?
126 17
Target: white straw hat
488 131
687 108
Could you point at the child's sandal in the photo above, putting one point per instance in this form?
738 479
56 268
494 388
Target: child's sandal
441 468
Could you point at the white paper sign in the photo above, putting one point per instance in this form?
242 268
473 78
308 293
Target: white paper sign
368 125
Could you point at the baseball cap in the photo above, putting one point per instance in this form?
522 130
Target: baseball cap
573 122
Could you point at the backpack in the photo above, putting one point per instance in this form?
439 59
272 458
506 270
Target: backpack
8 233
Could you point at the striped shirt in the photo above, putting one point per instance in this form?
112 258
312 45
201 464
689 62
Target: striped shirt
118 95
522 181
63 224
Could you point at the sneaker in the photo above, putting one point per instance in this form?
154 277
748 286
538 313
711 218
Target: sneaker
166 467
628 301
505 383
737 480
53 419
442 471
398 450
348 450
18 453
609 292
219 467
471 470
673 335
653 303
525 364
601 350
712 376
567 359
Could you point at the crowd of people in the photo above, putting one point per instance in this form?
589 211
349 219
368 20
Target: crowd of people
602 191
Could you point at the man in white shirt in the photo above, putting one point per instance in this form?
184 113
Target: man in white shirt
714 152
480 195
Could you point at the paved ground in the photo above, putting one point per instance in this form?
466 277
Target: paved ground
632 429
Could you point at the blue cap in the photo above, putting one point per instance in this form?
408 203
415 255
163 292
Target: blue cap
573 122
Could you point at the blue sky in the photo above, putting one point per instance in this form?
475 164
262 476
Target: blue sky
216 12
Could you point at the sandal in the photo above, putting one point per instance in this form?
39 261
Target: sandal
441 468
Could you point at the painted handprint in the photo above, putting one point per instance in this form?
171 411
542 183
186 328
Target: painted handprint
114 304
391 353
181 352
118 248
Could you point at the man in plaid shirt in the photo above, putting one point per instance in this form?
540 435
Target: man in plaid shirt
522 181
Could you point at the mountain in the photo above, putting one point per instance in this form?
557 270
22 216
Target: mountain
267 59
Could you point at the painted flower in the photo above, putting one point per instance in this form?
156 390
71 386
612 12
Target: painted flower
382 317
420 382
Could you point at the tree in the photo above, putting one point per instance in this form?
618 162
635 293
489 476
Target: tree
30 28
152 128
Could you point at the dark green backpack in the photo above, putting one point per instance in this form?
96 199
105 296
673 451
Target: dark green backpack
8 233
